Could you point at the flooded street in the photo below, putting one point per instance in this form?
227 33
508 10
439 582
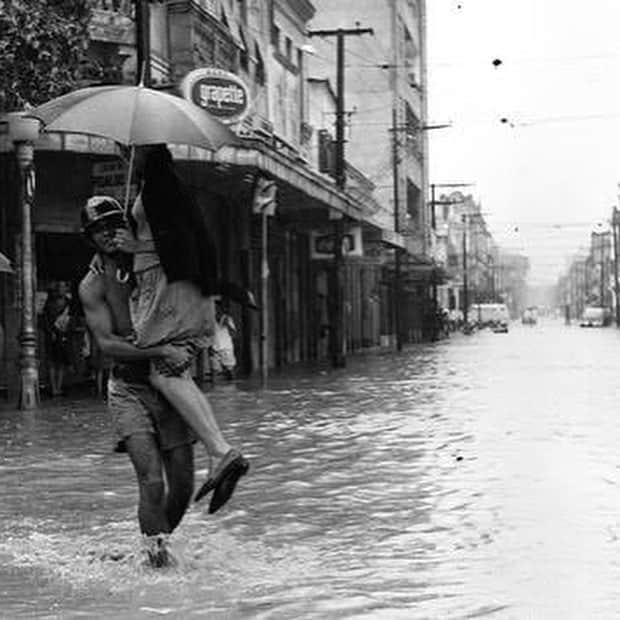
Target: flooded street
474 477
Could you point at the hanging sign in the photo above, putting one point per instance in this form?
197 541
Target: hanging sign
221 93
322 243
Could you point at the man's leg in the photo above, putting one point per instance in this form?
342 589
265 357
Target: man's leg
144 454
179 467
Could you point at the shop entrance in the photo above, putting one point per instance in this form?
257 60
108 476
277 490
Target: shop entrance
62 260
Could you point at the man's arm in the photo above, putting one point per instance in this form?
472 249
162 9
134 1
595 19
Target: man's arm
126 242
99 320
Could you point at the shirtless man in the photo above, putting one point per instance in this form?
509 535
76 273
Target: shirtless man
157 440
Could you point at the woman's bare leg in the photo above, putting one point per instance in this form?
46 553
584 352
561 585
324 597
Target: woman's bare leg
193 406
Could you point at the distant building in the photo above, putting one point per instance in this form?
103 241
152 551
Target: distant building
385 107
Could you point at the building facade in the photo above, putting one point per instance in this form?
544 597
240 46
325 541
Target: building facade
385 110
287 137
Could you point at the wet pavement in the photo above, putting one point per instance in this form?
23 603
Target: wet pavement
474 477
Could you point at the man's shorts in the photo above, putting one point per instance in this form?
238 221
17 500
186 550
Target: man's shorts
137 407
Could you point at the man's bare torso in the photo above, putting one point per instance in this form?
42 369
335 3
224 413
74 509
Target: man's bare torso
102 286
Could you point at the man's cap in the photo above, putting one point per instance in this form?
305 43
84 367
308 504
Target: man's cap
99 208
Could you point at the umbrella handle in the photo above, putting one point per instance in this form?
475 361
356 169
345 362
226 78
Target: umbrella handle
132 153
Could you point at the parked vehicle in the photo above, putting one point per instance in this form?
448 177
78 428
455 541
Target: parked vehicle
595 316
530 316
495 316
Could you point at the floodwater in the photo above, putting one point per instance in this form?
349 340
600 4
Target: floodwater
471 478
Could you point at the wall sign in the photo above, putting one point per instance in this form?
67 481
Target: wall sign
322 243
221 93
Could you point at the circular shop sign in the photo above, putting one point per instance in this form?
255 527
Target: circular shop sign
221 93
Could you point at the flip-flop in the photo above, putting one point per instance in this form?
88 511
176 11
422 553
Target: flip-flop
208 485
222 470
226 479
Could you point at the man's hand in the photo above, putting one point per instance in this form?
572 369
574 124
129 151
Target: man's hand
125 241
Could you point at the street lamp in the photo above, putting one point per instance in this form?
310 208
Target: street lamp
23 132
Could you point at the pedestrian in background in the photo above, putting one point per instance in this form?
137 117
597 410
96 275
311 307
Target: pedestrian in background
222 352
56 323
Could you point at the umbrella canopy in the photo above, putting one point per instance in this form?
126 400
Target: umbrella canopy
134 115
5 264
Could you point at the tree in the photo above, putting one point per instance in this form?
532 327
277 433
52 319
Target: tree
43 50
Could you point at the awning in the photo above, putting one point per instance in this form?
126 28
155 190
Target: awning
427 274
385 236
5 264
253 154
421 270
257 155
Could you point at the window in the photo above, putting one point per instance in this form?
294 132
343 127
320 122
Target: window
275 36
223 17
259 74
244 56
289 49
413 202
243 11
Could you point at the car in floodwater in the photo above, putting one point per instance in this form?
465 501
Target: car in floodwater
530 316
493 315
595 316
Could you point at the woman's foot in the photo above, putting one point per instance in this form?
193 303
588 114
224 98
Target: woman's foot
223 479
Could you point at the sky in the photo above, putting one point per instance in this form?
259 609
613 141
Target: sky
548 174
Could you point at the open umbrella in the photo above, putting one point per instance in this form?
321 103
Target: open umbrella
5 264
137 116
134 115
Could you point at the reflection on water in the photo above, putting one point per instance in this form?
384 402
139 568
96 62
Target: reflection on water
475 477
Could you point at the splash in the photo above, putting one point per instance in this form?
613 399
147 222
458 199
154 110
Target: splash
113 559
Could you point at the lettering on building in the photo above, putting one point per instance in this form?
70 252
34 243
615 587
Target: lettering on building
221 93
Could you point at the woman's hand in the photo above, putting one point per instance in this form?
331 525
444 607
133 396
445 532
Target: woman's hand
126 242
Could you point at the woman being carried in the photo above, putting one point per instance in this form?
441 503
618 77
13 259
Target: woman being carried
176 271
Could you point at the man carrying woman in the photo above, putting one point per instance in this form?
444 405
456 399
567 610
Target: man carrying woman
177 277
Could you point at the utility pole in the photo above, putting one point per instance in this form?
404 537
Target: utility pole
397 278
143 42
337 341
614 230
602 285
465 291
